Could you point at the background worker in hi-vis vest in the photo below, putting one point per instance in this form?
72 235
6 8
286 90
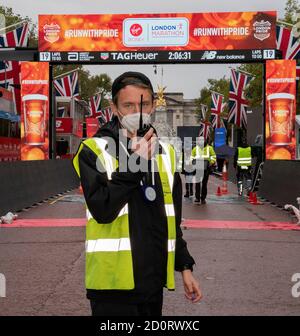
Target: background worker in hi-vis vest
133 237
203 151
243 164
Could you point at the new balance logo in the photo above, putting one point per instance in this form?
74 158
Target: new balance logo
209 55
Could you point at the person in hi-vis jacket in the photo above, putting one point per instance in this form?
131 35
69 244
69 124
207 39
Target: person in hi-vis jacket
203 151
133 237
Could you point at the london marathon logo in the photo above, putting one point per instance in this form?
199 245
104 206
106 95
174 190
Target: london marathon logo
161 32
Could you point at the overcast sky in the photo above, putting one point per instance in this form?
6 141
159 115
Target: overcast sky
187 78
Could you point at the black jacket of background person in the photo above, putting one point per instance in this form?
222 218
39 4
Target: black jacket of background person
147 223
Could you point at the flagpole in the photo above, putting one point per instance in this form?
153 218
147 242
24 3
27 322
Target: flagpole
66 73
14 25
242 71
285 23
216 92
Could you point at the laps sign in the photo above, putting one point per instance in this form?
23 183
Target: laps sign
177 31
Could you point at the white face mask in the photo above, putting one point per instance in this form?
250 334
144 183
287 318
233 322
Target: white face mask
201 144
132 121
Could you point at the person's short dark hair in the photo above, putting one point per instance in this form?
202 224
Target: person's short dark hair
244 140
130 78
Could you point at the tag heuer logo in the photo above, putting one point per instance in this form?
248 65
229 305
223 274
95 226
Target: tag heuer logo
104 56
261 29
51 32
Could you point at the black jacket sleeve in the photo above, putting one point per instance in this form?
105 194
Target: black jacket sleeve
235 158
105 198
182 255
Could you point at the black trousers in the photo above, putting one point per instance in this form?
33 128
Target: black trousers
100 308
201 187
189 189
241 173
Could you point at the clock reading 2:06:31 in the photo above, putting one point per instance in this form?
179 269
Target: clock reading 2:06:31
180 55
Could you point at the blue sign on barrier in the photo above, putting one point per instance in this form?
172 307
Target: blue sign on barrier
220 137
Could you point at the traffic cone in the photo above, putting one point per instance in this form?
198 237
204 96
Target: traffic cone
255 200
224 188
80 189
224 172
250 199
219 193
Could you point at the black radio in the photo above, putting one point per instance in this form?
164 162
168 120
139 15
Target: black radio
143 128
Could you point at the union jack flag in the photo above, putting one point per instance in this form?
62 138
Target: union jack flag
217 106
15 38
204 129
61 112
288 44
10 70
237 101
95 106
67 86
105 116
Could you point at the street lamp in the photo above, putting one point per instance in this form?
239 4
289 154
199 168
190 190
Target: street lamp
162 73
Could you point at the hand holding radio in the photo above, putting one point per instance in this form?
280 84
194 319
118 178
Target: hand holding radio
145 146
145 142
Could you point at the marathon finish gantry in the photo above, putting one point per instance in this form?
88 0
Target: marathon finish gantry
181 38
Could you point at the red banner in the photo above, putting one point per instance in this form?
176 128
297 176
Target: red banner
92 126
280 110
64 125
35 111
171 31
78 128
10 149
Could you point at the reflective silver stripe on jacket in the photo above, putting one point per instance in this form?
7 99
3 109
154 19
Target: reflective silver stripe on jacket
122 212
168 164
244 161
101 144
108 245
171 245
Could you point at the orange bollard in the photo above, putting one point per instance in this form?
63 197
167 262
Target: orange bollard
219 193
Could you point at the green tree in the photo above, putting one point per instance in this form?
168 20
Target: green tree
103 84
217 85
291 8
254 90
12 18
